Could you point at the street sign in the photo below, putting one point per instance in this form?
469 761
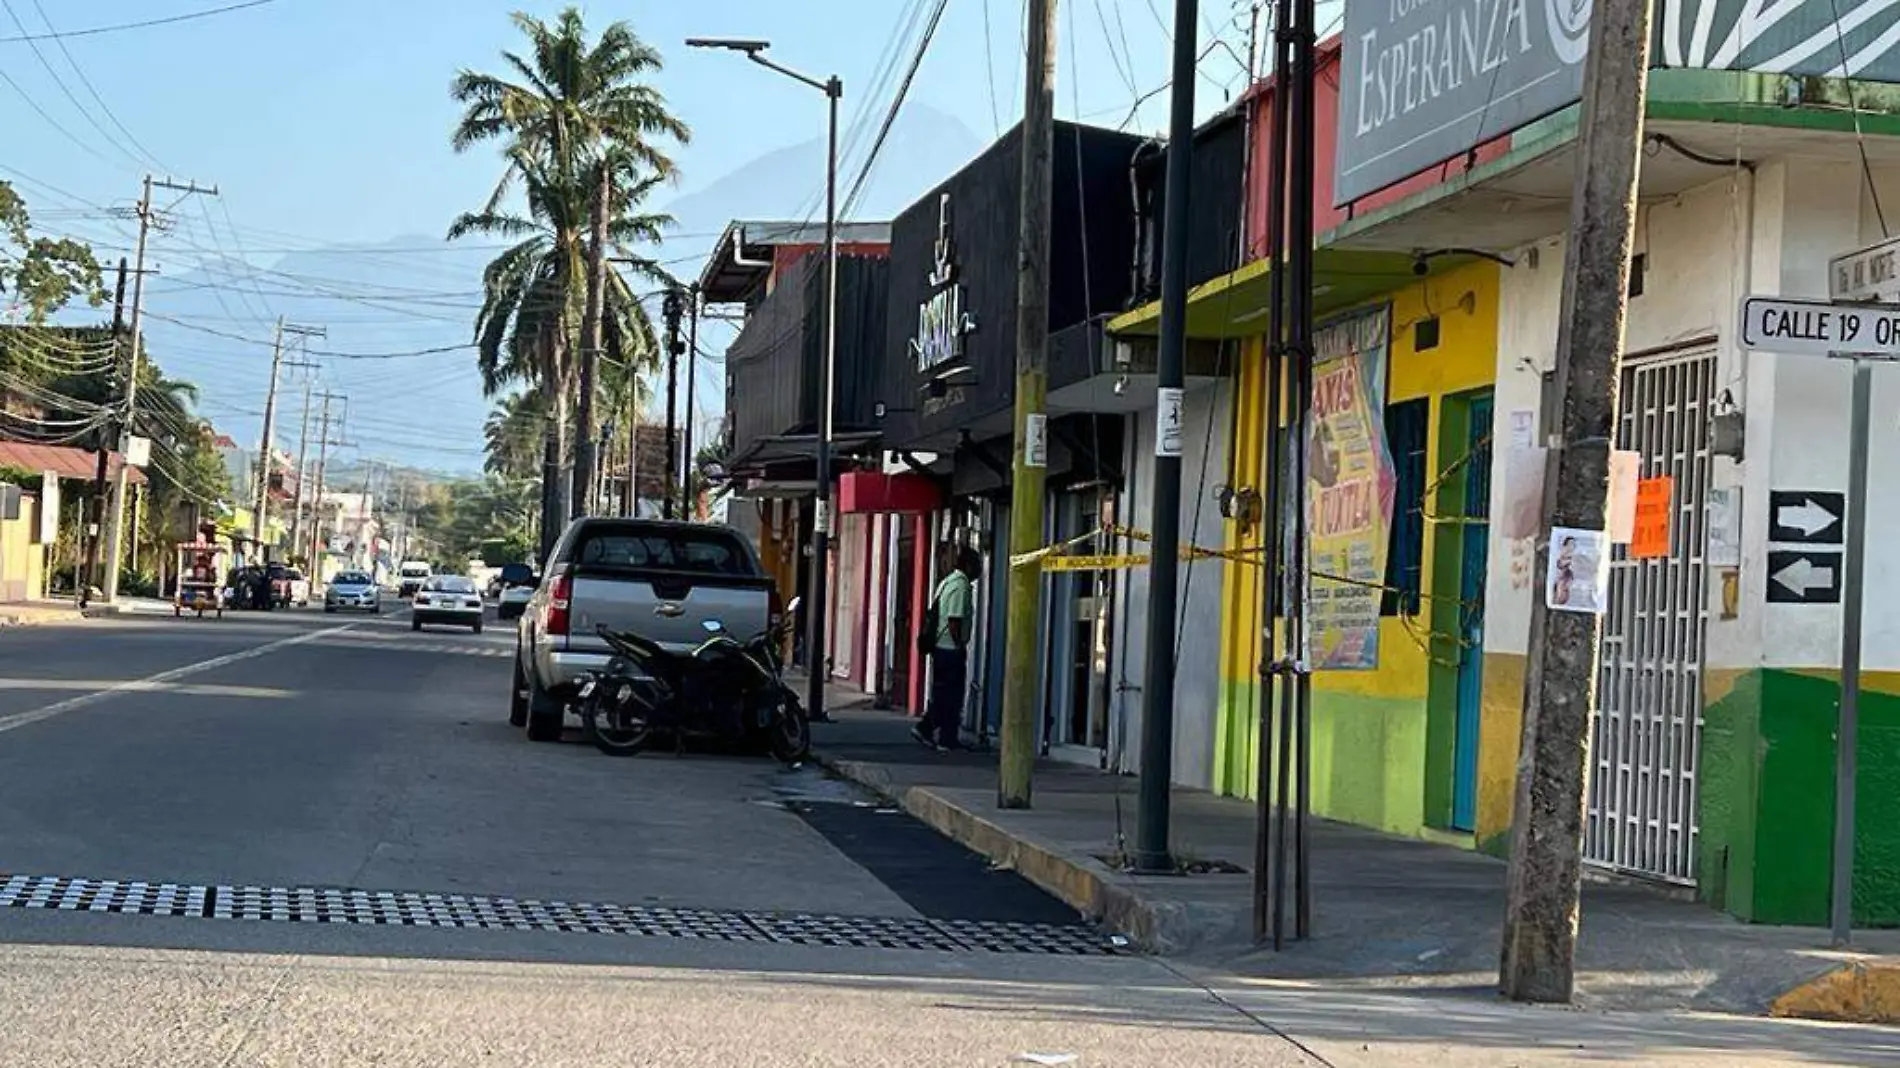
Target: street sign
1802 577
1871 273
1806 517
1820 328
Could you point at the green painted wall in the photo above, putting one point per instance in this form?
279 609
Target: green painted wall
1369 760
1767 800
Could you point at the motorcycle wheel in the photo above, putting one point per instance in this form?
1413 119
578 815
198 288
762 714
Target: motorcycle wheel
626 737
791 734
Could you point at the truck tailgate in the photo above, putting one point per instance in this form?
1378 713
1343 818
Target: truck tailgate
669 607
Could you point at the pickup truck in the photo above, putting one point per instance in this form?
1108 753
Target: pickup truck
663 580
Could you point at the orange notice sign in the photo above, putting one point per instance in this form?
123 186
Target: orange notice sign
1650 538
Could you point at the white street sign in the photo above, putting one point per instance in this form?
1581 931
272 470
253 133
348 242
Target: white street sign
1819 328
1871 273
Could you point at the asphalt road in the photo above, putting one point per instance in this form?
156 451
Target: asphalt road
300 839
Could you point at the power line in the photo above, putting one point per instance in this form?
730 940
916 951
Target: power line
897 105
144 24
66 90
87 82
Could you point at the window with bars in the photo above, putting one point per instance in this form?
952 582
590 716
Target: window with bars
1407 425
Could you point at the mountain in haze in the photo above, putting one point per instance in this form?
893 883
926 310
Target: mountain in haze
388 307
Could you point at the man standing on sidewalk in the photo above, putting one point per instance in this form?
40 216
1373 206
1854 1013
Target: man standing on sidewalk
946 639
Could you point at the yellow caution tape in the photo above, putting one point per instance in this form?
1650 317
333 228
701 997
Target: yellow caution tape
1093 563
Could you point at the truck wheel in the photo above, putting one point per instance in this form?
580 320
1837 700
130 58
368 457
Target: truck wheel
518 697
546 714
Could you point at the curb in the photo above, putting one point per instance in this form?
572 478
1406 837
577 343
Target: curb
1864 991
1086 885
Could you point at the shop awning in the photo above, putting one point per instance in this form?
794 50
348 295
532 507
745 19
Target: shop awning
1234 305
65 461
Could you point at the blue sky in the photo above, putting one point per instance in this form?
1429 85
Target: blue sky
324 121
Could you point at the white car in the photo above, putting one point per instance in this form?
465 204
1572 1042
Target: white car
513 601
451 599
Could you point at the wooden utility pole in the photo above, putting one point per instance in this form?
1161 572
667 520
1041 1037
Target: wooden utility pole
102 440
260 517
1538 962
1030 459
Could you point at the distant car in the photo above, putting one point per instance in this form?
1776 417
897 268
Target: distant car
299 587
411 578
353 589
451 599
514 587
288 587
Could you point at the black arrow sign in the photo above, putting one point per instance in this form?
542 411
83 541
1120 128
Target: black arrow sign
1811 517
1804 577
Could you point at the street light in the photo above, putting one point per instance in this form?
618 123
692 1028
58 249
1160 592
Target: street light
833 88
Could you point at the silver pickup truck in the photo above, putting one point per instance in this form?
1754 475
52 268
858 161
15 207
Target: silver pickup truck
659 579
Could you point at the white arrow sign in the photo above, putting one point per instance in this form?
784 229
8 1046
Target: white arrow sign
1807 517
1802 576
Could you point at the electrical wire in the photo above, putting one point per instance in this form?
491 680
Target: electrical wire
140 25
897 105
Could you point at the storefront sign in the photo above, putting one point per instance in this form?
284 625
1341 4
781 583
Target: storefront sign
1814 38
1425 80
1349 490
942 321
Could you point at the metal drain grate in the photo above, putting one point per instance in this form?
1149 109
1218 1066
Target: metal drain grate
408 909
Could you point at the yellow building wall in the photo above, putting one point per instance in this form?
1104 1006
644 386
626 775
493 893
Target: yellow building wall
22 561
1369 728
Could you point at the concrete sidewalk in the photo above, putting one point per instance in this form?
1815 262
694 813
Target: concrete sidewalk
1388 912
35 613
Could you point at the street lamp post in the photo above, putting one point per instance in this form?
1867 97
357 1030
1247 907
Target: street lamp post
833 88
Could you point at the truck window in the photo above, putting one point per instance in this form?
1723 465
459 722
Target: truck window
698 552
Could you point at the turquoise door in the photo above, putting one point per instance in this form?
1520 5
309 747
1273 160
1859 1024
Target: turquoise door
1477 535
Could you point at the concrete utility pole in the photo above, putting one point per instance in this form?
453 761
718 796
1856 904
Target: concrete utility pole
1538 962
316 499
1029 461
265 460
689 494
102 441
115 538
672 311
1157 687
303 459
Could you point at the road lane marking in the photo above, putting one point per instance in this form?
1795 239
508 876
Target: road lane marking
152 683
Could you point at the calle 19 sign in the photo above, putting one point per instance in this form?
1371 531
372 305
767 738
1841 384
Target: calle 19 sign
1819 328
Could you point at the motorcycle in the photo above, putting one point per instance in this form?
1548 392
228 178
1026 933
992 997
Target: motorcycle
723 687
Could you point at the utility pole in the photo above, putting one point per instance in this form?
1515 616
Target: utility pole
1538 962
265 460
689 496
102 441
303 459
115 538
1030 460
1152 853
316 515
672 310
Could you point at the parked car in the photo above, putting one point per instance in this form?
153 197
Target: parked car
662 580
411 576
296 588
451 599
353 589
512 587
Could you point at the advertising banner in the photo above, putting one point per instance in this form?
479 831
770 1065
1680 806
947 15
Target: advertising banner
1817 38
1349 491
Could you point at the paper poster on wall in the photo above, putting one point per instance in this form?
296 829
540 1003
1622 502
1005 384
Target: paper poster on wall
1524 492
1725 527
1626 470
1349 491
1577 577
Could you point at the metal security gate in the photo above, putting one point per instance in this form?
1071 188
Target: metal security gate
1641 816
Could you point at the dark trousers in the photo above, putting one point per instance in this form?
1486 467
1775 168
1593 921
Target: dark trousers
943 712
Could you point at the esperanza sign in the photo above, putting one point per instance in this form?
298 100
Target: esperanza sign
1349 491
1425 80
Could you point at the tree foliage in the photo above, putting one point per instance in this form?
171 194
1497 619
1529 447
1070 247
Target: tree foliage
43 274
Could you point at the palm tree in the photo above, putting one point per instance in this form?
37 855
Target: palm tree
511 435
581 131
525 324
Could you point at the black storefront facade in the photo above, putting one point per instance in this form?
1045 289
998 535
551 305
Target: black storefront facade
773 388
948 376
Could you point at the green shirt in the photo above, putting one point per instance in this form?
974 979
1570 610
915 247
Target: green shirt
954 600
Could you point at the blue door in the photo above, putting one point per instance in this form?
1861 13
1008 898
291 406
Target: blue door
1476 530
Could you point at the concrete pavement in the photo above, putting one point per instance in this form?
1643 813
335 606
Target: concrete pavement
546 905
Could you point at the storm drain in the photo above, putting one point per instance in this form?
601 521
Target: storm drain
408 909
